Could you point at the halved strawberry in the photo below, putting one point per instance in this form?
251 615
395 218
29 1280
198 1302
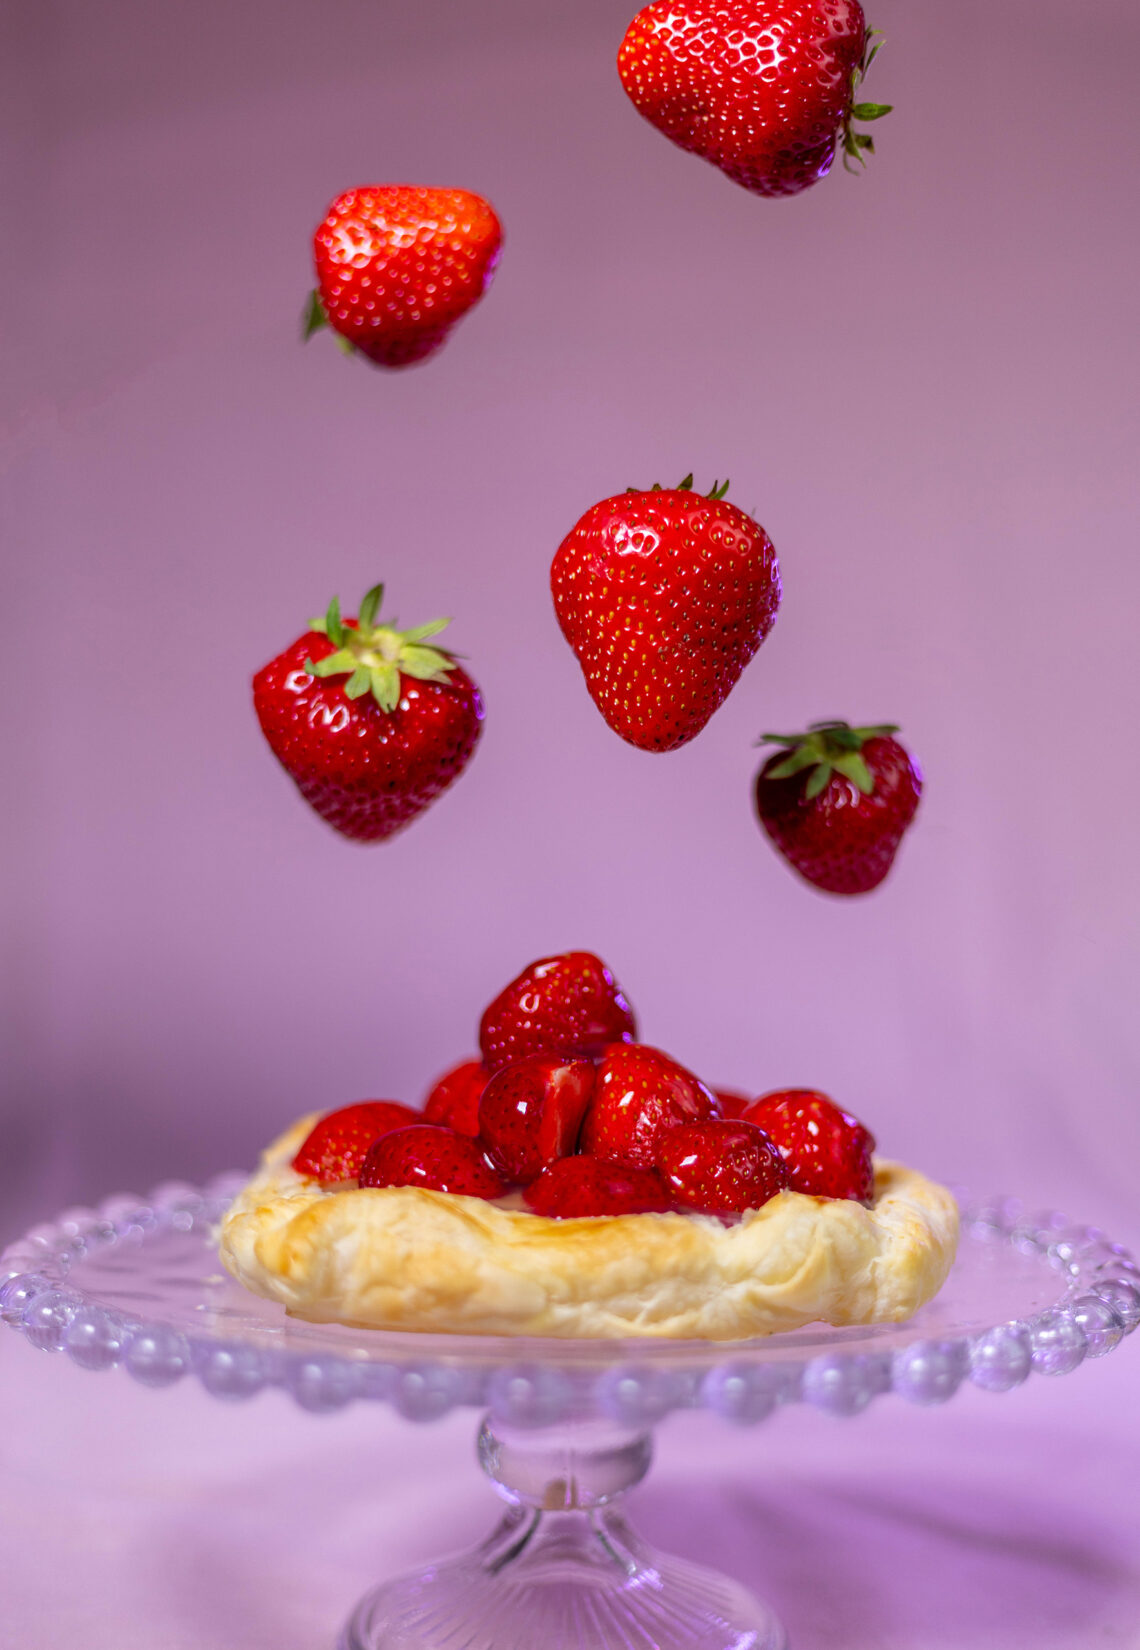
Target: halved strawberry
639 1093
577 1187
827 1151
434 1158
335 1148
531 1112
454 1098
569 1005
720 1168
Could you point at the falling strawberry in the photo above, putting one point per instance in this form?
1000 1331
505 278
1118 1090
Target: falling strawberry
531 1112
576 1188
640 1093
569 1005
836 801
664 597
433 1158
398 265
764 89
454 1098
336 1146
720 1168
370 752
827 1151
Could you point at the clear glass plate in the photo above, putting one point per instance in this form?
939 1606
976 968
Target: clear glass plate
567 1424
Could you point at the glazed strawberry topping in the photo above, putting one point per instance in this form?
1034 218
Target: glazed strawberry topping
569 1005
732 1103
454 1098
432 1158
336 1147
616 1127
576 1187
720 1168
827 1151
530 1114
639 1094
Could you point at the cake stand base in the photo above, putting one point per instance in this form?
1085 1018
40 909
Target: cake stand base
563 1571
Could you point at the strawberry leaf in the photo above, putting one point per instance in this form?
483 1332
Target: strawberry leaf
336 664
334 625
871 111
359 683
426 664
385 684
370 606
872 52
818 781
315 316
804 757
852 766
421 632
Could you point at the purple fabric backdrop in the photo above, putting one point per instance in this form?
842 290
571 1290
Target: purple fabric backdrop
920 380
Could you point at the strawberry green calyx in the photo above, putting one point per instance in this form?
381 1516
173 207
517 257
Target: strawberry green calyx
373 656
716 491
827 748
858 145
315 317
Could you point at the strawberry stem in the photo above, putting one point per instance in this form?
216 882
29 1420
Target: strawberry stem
374 656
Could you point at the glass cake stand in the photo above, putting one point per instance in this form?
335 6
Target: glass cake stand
567 1425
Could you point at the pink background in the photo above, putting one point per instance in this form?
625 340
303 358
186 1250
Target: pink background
922 381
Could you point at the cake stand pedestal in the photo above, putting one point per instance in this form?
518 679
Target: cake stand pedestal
567 1425
563 1569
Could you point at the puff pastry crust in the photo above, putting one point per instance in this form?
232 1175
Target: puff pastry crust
409 1259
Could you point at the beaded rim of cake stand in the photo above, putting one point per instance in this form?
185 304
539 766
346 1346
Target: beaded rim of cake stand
1098 1303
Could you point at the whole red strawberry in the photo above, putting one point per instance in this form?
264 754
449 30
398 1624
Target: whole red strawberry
454 1097
436 1159
575 1188
664 596
720 1168
836 802
827 1151
764 89
335 1148
531 1112
640 1093
398 265
369 722
569 1005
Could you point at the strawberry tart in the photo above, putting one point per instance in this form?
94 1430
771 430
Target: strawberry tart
575 1182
